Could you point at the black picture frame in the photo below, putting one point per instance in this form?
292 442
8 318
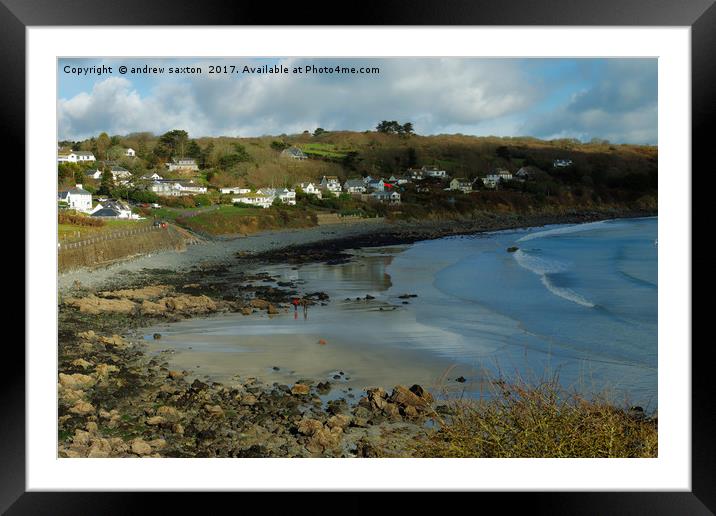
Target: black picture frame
700 15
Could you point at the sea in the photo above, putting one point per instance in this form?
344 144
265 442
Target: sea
575 304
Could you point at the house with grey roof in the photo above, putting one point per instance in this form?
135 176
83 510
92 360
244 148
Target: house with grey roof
76 198
293 153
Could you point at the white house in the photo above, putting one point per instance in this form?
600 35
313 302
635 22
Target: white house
461 184
330 184
75 157
234 190
399 180
504 175
191 188
285 195
120 174
114 209
434 172
354 186
310 189
560 163
94 174
254 199
172 188
152 177
377 185
182 164
130 153
389 197
526 172
293 153
77 198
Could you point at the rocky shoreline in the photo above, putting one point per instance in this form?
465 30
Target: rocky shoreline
116 400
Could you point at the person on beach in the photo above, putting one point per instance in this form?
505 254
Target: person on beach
304 303
295 301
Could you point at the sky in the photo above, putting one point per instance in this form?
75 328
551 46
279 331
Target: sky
612 99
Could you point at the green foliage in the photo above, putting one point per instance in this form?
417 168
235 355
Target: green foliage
279 145
319 131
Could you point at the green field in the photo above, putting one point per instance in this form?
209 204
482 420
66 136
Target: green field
325 150
77 232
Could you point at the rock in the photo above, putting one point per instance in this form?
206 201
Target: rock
140 447
92 427
87 335
214 410
369 297
185 303
324 440
272 310
76 381
460 379
138 294
175 374
247 311
100 448
156 420
323 387
82 408
410 411
391 410
95 305
102 371
422 393
157 336
339 420
115 341
309 426
512 249
178 429
151 308
81 362
248 399
300 389
260 304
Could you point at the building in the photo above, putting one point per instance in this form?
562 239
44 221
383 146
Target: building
234 190
182 164
561 163
422 173
310 189
293 153
528 172
399 180
115 210
120 175
152 177
285 195
504 175
390 197
173 188
354 186
330 184
77 199
377 185
461 184
254 199
130 153
94 174
75 157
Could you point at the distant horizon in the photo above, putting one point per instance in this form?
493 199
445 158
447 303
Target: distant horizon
612 99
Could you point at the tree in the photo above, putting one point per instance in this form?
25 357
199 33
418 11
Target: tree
106 184
103 143
279 145
171 143
319 131
193 150
408 128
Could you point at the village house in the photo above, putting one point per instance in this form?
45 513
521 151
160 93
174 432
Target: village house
528 172
75 157
94 174
293 153
390 197
399 180
114 209
191 188
120 175
234 190
254 199
182 164
174 188
330 184
310 189
284 195
130 153
76 198
354 186
561 163
461 184
377 185
152 177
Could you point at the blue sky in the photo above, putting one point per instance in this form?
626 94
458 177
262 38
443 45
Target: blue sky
614 99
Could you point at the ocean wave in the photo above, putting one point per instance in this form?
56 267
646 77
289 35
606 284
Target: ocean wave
543 268
562 231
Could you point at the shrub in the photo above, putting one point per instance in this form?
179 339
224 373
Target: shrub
76 219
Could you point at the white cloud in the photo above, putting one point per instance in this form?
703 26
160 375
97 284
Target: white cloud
433 93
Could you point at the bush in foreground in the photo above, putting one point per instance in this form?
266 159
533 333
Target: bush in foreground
541 421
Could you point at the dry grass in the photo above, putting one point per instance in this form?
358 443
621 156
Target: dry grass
541 420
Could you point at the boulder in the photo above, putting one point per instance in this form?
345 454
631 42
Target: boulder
309 426
82 408
96 305
140 447
300 389
76 381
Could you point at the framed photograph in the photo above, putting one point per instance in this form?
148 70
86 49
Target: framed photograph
422 252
